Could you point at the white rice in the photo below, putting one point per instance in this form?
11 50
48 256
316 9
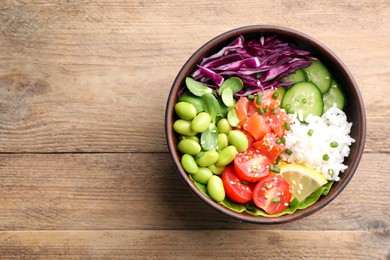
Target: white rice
307 150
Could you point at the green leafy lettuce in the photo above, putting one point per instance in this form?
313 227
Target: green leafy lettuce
250 207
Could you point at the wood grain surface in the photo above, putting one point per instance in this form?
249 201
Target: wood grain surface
84 167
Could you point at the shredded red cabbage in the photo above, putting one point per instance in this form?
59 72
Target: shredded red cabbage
260 64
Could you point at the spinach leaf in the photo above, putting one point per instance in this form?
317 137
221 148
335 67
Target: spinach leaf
233 118
234 83
194 100
227 97
197 88
211 106
209 138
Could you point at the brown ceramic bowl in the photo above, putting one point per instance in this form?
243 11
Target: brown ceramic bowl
354 110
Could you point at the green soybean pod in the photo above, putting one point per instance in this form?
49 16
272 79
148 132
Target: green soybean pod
226 156
207 158
185 110
216 169
189 164
202 175
224 126
201 122
239 140
183 127
189 146
222 142
215 188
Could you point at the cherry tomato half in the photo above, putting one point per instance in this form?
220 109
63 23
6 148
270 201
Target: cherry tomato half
234 187
272 194
251 165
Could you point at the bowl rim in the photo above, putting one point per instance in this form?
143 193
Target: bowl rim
191 63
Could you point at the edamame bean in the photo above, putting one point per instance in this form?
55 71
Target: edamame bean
183 127
189 164
224 126
201 122
189 146
194 137
207 158
238 139
226 156
216 169
202 175
215 188
222 142
185 110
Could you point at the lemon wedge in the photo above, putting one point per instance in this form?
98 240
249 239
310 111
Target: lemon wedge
303 180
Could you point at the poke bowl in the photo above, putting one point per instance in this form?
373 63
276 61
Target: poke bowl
265 124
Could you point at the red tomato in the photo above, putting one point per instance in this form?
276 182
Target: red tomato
251 165
272 194
269 146
234 188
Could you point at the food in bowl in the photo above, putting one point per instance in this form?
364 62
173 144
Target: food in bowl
260 126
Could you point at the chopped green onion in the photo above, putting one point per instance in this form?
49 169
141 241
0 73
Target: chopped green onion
275 111
275 200
258 75
310 133
325 157
277 161
281 140
266 110
274 168
251 97
244 182
259 98
275 95
334 144
287 126
288 151
331 172
260 110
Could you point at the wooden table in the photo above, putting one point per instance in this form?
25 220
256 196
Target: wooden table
85 171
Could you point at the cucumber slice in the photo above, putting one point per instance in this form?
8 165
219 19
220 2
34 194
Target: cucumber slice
281 91
303 98
319 75
297 76
334 95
